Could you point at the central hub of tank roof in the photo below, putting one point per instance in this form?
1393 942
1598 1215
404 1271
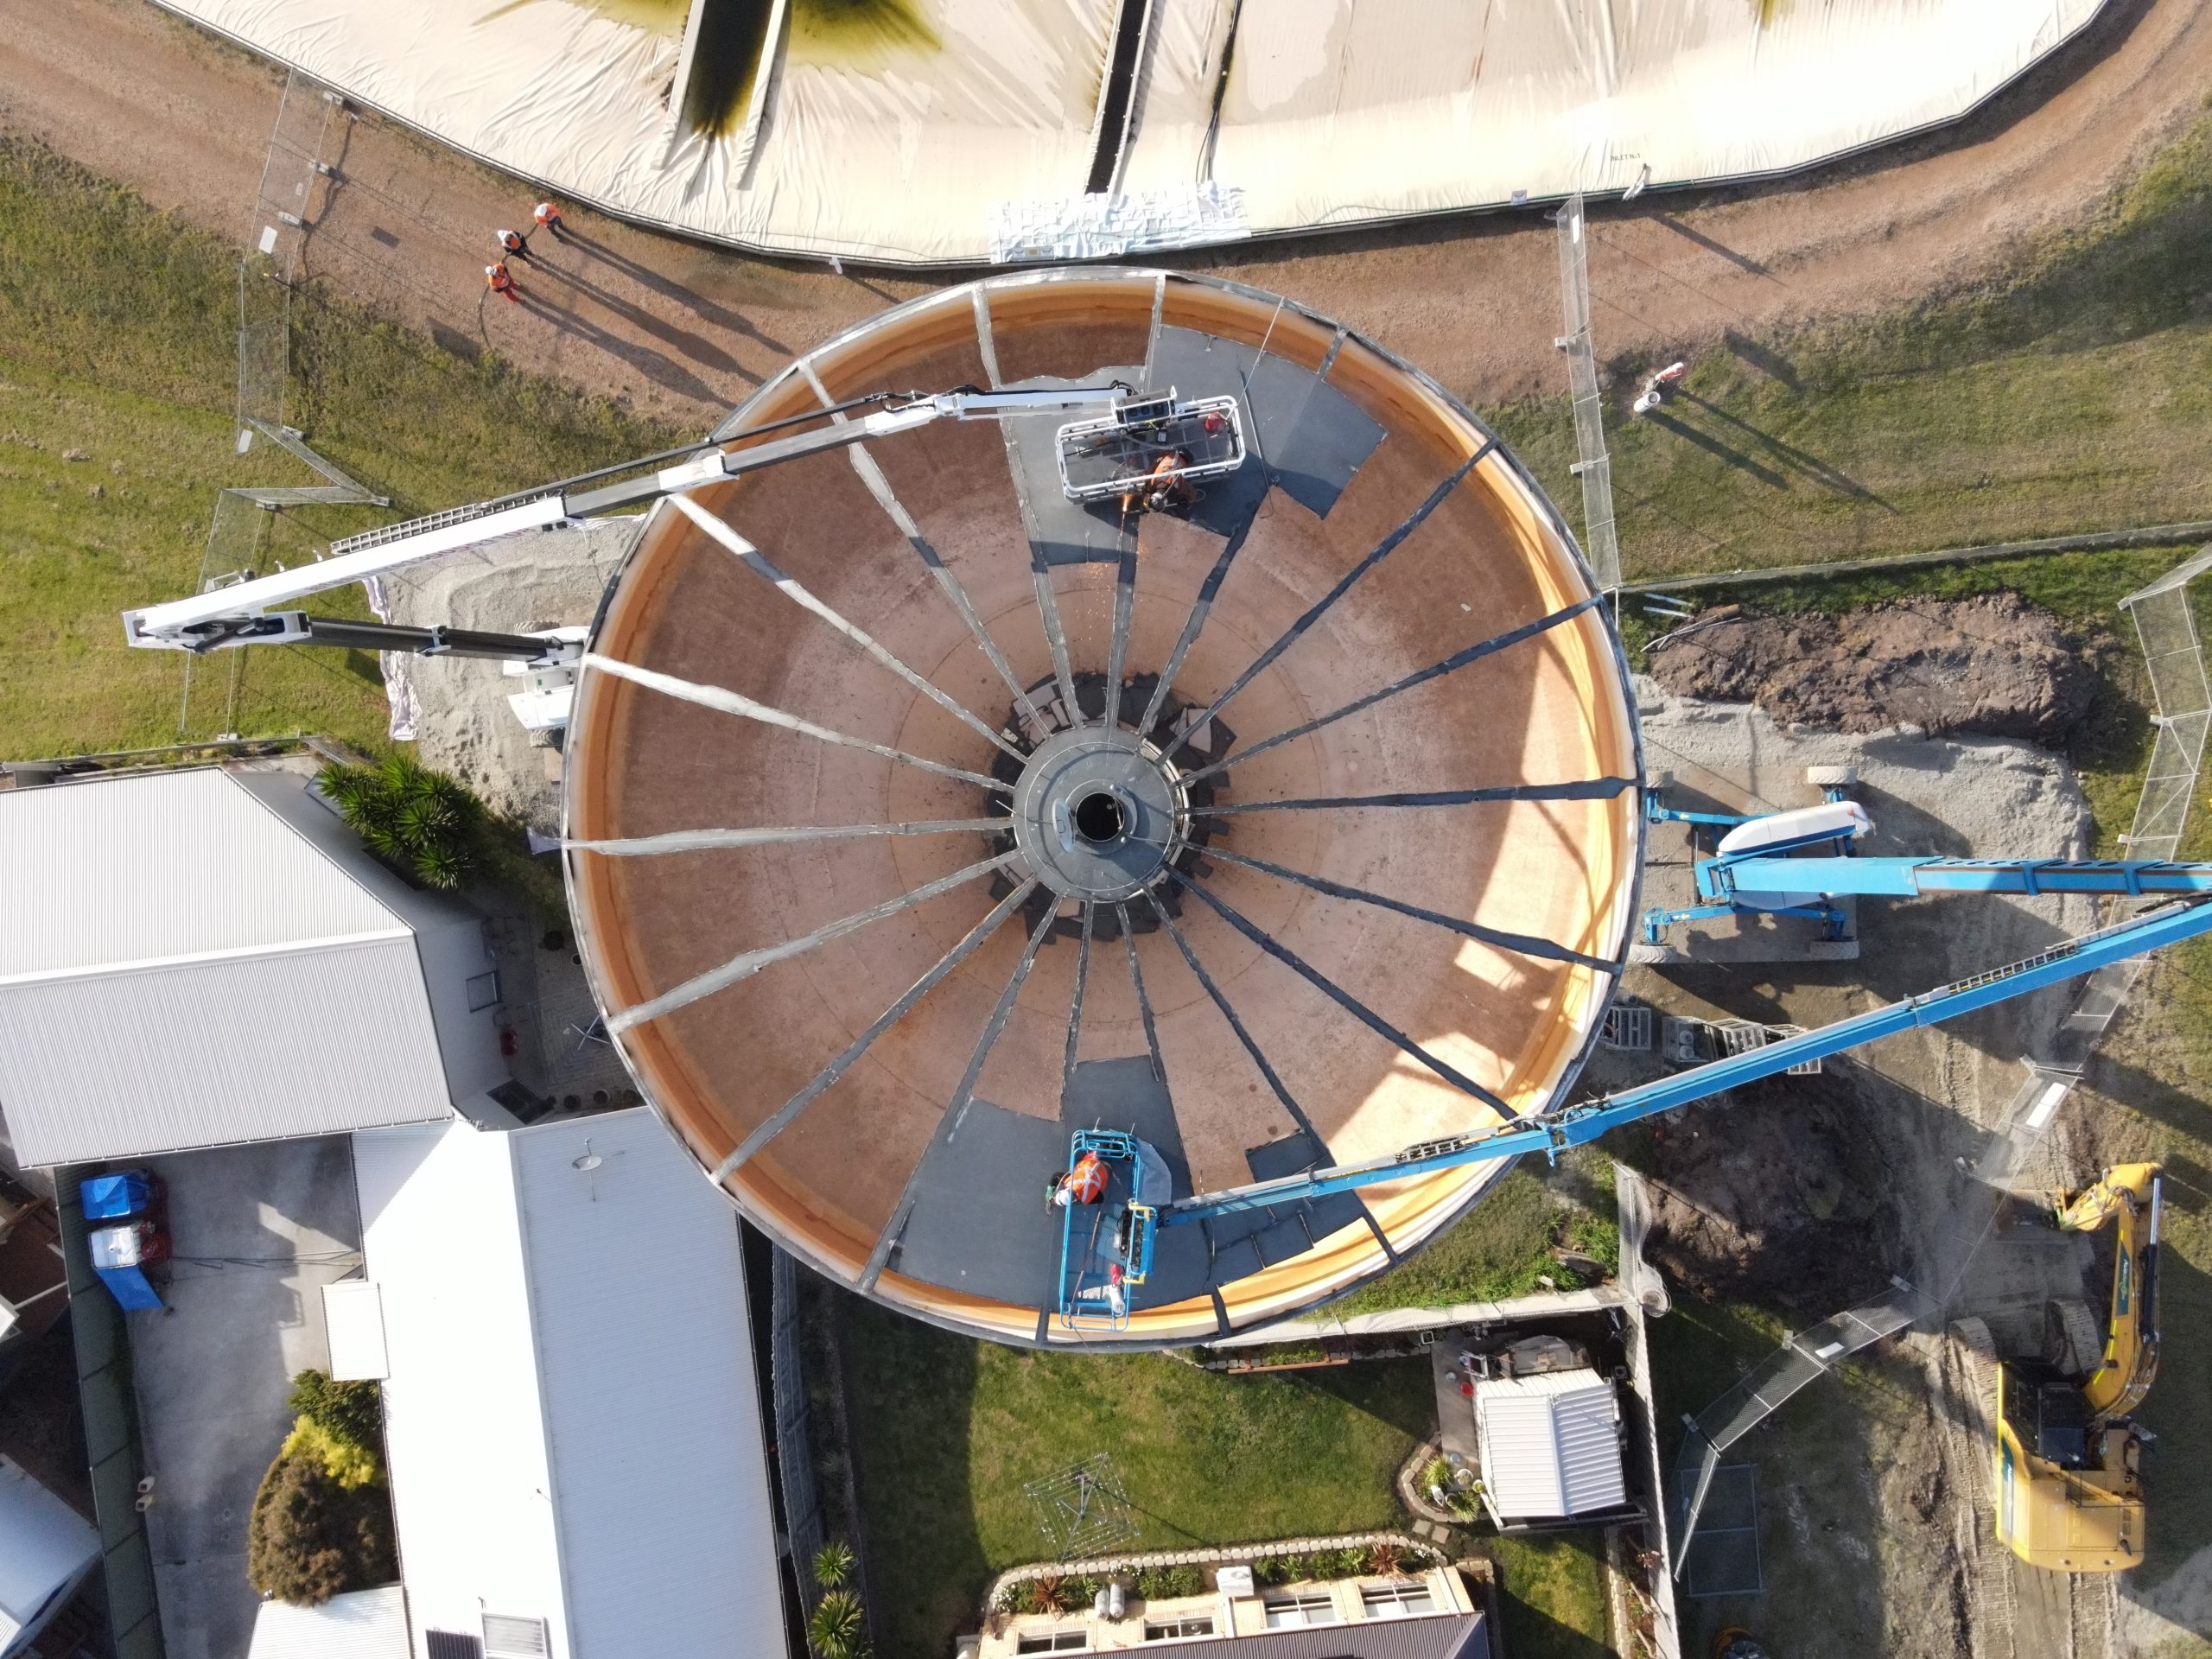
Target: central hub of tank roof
1098 814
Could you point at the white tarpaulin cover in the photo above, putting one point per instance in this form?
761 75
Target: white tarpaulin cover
955 130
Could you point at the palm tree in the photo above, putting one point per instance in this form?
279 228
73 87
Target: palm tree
833 1564
838 1629
410 816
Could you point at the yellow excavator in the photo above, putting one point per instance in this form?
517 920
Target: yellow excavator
2069 1490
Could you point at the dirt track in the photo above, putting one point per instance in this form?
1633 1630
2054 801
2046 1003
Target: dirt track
136 96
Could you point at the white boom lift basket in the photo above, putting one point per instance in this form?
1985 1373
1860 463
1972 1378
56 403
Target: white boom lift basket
1150 442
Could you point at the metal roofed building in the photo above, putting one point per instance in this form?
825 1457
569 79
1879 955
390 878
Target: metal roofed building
1549 1446
202 958
360 1624
572 1416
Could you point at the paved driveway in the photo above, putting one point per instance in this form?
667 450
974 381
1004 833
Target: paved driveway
258 1230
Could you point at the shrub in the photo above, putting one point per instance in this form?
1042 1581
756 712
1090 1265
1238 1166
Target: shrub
1183 1580
1384 1561
310 1539
353 1412
410 816
833 1564
347 1463
838 1629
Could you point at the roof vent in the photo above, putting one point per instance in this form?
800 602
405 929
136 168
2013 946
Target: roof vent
506 1637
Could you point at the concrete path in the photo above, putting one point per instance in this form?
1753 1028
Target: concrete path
258 1230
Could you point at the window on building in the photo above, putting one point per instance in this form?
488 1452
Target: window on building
1398 1600
484 992
1316 1608
1167 1630
506 1637
452 1644
1054 1642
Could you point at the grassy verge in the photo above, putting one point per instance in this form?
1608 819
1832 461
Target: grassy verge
948 1431
116 344
1504 1248
2070 393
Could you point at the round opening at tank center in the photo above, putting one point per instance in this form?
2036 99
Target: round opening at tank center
1098 818
1096 813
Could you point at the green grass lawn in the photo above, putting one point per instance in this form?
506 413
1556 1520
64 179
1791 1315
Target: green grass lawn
948 1432
1504 1247
2070 392
117 340
1552 1595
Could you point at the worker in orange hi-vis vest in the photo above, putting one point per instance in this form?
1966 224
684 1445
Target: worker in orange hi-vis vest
549 219
1084 1184
514 245
496 279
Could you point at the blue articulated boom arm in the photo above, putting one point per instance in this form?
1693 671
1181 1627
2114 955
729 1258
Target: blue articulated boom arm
1903 878
1586 1121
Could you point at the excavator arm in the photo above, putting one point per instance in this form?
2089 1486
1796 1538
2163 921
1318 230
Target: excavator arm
2132 1196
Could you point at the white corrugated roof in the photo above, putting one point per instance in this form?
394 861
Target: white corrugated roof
360 1625
44 1544
170 864
181 967
573 1421
1550 1445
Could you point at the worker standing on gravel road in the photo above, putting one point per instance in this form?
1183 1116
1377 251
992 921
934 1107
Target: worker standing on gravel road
496 279
549 219
514 245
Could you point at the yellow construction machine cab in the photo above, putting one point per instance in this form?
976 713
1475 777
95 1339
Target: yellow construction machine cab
2069 1492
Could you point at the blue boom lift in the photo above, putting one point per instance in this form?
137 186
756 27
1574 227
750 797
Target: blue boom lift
1795 862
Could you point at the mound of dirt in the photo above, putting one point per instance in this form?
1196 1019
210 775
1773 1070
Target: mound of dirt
1993 664
1773 1193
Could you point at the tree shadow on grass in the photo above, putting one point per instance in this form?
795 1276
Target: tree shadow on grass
1399 1392
909 1389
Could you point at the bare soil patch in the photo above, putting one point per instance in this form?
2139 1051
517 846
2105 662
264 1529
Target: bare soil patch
1775 1194
1993 664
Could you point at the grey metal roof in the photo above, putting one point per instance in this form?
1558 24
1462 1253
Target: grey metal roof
181 967
123 870
1442 1636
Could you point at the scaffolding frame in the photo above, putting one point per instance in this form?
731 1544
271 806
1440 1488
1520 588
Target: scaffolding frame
277 233
1600 539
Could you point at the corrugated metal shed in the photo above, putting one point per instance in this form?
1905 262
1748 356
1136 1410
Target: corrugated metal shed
1550 1445
181 967
360 1625
573 1422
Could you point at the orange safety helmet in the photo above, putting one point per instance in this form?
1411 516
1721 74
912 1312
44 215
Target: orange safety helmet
1086 1182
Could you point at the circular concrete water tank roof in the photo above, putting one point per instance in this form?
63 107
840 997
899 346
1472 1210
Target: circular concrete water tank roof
1359 876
